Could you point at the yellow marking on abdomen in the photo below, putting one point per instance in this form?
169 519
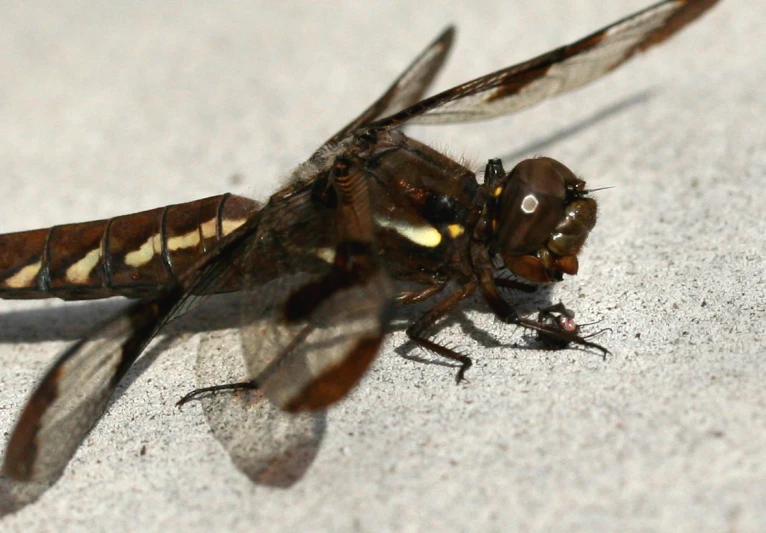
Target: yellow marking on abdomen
426 236
145 253
208 229
24 277
227 226
188 240
79 272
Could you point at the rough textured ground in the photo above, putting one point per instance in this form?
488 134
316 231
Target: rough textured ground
107 110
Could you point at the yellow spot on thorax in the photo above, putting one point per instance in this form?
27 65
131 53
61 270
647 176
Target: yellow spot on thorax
455 230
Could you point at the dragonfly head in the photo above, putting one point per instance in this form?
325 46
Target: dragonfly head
541 219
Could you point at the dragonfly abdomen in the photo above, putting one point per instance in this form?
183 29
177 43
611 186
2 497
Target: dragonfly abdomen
129 255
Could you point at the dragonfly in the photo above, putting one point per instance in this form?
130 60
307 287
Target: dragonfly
318 266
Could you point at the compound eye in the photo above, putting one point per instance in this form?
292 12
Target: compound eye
530 205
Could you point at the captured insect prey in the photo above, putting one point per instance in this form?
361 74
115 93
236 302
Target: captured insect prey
315 268
558 316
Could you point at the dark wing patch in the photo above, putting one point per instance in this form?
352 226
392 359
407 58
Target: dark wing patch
563 69
313 361
408 88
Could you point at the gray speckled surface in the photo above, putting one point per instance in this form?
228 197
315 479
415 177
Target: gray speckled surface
107 110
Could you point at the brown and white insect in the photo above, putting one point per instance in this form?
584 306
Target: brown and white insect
315 265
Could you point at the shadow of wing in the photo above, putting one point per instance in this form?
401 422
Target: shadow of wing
268 445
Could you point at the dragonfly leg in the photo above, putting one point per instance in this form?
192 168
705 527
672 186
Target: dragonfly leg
417 331
196 393
419 295
513 284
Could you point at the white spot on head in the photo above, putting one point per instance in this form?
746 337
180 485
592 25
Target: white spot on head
529 204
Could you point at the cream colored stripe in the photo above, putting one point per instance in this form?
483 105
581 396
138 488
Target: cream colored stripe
227 226
80 271
188 240
208 229
25 277
145 253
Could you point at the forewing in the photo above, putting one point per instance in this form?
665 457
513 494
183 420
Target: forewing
566 68
408 88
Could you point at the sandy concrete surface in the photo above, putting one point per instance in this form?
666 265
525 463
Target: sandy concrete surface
108 109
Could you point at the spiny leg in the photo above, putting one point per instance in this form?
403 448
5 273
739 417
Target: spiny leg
246 385
416 331
419 295
350 268
506 283
243 385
